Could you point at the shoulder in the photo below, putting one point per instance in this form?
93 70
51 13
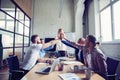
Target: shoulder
99 53
36 46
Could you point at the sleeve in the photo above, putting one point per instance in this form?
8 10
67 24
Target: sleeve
101 63
48 48
72 44
68 44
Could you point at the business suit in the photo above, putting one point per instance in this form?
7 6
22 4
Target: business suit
98 59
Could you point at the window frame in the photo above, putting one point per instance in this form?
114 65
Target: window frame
112 2
23 45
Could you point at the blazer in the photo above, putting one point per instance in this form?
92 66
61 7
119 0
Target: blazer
79 57
98 59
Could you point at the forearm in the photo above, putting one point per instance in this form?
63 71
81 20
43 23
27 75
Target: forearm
73 44
68 44
53 42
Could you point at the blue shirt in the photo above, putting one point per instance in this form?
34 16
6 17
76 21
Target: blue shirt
43 51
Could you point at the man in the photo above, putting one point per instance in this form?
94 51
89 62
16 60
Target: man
32 53
43 51
61 49
78 52
93 57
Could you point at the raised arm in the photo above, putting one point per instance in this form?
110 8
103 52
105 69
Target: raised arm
53 42
68 44
71 44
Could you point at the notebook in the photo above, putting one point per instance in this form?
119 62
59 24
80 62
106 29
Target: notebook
48 69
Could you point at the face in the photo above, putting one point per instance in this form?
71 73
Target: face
37 40
81 41
61 36
60 31
87 42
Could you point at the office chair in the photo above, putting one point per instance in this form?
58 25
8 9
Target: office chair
13 63
111 68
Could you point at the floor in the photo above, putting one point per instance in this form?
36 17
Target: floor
4 73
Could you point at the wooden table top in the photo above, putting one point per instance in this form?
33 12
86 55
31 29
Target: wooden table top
31 75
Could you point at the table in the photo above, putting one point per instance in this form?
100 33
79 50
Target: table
31 75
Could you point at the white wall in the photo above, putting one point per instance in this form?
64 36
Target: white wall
46 20
79 9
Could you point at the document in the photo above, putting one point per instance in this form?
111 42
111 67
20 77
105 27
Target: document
70 62
69 76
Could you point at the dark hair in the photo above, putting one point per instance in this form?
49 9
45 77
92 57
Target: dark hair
59 30
33 38
98 43
92 39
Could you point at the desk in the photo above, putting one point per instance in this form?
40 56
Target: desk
31 75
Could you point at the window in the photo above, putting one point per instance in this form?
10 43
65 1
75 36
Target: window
14 28
109 20
116 16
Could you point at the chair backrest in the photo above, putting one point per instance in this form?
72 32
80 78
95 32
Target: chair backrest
13 62
111 65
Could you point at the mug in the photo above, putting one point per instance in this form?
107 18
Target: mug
88 74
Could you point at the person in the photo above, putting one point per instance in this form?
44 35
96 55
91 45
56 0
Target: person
32 54
61 49
94 58
43 51
78 52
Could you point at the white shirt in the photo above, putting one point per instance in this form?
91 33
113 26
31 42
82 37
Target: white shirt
89 61
61 46
31 56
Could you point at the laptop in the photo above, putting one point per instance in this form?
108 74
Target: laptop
48 69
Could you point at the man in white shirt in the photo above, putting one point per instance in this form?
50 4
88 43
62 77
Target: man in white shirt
32 53
61 49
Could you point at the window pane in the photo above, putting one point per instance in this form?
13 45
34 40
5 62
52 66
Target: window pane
18 52
2 15
6 22
7 39
7 52
116 12
106 25
26 31
20 15
2 24
18 40
8 6
104 3
27 21
19 28
10 25
2 20
26 41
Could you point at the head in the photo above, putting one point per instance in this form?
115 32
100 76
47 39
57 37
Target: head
35 39
60 30
42 41
90 41
81 41
61 33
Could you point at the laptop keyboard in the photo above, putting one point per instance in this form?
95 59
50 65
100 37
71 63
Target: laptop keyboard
47 69
44 69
